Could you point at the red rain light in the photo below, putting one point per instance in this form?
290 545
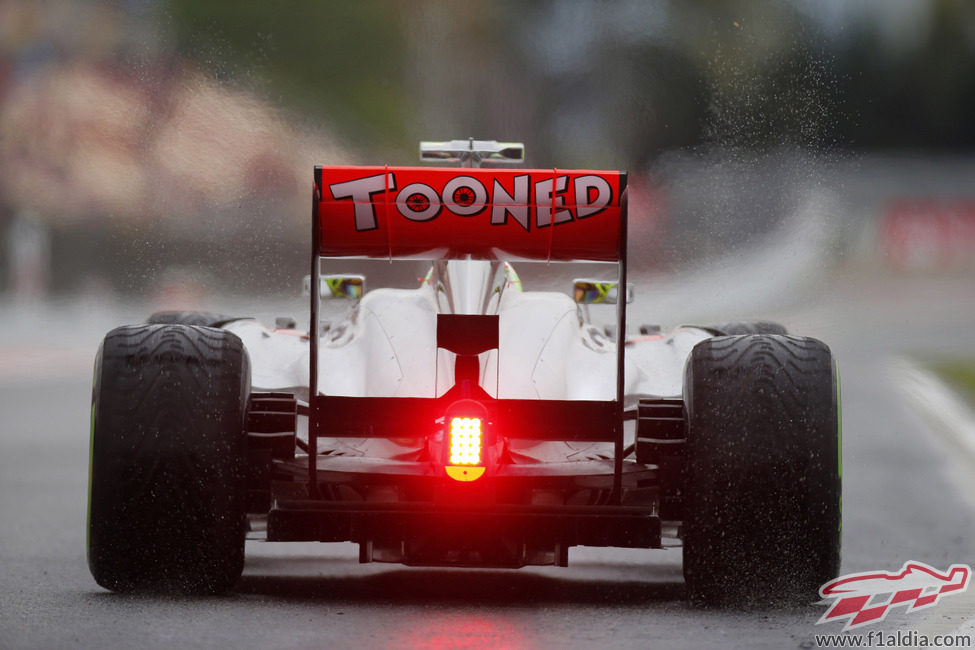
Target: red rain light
465 450
466 441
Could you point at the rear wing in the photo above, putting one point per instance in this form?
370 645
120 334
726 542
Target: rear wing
449 213
460 213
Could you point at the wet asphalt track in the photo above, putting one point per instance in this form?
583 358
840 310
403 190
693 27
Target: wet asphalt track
909 494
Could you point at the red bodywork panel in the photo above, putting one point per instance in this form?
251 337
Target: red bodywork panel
449 213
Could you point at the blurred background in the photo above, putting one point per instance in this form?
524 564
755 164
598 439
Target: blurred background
162 150
807 161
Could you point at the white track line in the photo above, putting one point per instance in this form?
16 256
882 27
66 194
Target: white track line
951 416
939 404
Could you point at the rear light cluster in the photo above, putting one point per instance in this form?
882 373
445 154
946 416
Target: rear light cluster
466 441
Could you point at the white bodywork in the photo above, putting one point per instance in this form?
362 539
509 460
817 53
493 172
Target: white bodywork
386 345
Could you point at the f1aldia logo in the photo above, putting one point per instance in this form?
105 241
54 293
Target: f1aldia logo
861 599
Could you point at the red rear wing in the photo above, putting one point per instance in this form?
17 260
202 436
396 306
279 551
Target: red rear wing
444 213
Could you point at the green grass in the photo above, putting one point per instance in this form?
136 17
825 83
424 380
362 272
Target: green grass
959 373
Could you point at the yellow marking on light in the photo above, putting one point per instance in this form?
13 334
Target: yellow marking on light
464 473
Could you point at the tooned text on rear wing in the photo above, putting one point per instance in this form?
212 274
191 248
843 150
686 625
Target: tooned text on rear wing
422 212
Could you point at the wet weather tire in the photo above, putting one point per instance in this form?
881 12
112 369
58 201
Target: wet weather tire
762 523
201 318
748 327
168 452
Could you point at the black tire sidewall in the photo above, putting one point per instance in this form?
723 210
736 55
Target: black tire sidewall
168 454
762 511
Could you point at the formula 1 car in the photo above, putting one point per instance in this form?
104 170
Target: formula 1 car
465 421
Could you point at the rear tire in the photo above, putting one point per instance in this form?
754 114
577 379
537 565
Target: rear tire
762 523
736 328
168 453
201 318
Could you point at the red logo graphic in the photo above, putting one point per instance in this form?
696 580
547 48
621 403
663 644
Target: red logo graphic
464 196
865 598
417 202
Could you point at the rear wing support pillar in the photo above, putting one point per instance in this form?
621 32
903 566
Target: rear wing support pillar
617 495
313 337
